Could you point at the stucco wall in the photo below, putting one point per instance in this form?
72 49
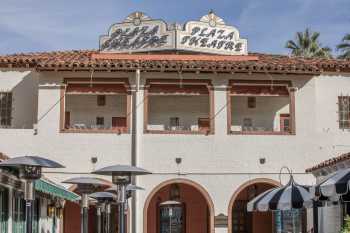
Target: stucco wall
220 163
24 87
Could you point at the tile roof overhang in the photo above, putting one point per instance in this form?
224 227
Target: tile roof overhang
82 60
329 162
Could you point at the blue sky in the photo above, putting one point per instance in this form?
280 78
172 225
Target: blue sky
46 25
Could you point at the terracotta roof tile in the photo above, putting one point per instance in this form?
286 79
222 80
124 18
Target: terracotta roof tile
254 62
329 162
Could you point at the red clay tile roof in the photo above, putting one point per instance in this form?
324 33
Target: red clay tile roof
91 59
329 162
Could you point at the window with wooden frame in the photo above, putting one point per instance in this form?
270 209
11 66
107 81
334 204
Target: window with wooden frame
344 112
251 102
5 109
101 100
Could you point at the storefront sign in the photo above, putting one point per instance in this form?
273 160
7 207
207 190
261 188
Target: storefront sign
211 35
139 33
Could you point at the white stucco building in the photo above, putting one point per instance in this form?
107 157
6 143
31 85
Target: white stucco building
214 127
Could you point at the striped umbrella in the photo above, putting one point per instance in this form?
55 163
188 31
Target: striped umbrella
336 185
290 196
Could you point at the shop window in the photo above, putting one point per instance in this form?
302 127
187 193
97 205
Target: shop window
172 219
289 221
251 102
5 109
101 100
241 219
100 121
344 112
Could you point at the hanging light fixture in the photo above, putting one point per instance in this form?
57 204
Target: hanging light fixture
174 193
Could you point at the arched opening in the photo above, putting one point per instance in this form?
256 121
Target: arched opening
241 221
179 206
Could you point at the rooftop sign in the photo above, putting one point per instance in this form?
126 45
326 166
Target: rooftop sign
140 33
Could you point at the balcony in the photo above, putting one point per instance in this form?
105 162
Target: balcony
261 108
172 107
97 108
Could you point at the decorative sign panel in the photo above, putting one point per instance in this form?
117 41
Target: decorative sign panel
139 33
221 220
211 35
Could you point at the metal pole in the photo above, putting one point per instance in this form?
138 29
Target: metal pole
121 218
121 209
29 197
85 213
103 218
29 216
108 217
98 213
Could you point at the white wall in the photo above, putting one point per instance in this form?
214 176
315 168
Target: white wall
25 102
84 109
220 163
24 87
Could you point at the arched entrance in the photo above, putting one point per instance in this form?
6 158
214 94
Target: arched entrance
241 221
192 212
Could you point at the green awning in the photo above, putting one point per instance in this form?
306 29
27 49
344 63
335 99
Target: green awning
48 187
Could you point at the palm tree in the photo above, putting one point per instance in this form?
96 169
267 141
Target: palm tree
307 45
344 47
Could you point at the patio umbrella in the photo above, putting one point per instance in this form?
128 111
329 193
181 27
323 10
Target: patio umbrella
290 196
336 185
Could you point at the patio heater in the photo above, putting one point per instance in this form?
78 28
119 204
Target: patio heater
104 199
121 177
130 188
86 186
30 169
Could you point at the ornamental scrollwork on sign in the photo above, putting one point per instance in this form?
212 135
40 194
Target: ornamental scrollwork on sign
140 33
